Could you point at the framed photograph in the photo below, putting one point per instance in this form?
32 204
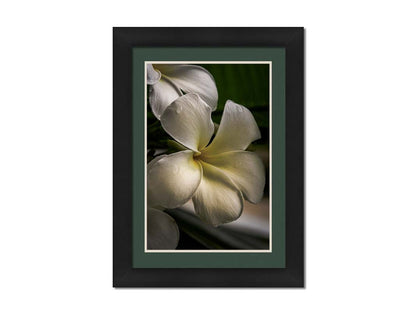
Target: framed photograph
208 136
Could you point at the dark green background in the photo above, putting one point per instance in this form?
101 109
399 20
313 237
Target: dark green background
246 89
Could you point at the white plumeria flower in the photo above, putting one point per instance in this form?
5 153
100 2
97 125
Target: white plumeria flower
162 230
219 176
166 82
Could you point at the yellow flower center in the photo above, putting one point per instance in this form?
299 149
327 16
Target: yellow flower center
197 155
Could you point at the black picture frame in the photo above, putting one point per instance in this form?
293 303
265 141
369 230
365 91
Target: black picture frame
124 39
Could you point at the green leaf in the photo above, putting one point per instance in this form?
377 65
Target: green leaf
215 237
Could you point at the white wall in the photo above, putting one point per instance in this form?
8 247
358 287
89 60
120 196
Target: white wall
56 163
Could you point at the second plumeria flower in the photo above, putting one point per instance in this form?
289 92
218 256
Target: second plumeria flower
217 176
162 230
167 82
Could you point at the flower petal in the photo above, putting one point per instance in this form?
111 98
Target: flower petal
237 130
192 79
154 161
217 200
153 75
150 201
162 230
172 180
161 94
188 121
245 169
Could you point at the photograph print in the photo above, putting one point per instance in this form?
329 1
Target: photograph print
208 156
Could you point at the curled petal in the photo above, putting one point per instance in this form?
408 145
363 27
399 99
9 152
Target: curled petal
162 230
154 161
245 169
237 130
192 79
188 121
172 180
150 200
217 199
161 94
152 75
